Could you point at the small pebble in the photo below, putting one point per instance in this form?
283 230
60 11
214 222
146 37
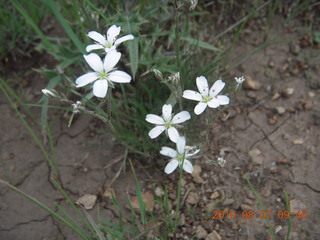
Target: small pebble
280 110
278 229
295 49
193 198
275 96
228 201
214 195
214 235
283 68
282 160
272 120
271 64
201 232
246 207
250 84
311 94
287 92
298 141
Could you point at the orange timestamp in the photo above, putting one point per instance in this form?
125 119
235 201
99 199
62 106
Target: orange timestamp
262 214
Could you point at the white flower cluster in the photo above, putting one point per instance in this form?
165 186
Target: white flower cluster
104 73
169 122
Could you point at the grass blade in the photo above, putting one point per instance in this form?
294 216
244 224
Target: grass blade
30 21
200 43
65 25
52 165
72 204
94 225
142 206
47 209
289 210
44 113
261 207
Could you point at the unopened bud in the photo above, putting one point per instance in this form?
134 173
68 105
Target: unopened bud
76 106
175 79
193 4
50 93
158 74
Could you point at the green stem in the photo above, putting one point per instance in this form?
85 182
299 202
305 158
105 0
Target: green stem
177 50
176 220
177 35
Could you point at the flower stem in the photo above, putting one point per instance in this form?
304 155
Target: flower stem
177 50
177 36
176 220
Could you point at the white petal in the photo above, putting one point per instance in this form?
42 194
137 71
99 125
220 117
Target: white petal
119 77
169 152
94 61
201 106
124 38
100 88
110 49
94 47
113 33
192 95
154 119
86 79
223 99
181 144
187 166
156 131
216 88
202 85
173 134
166 112
181 117
214 103
171 166
111 59
97 37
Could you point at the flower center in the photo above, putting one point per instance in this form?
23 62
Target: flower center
206 99
180 158
103 75
168 124
108 45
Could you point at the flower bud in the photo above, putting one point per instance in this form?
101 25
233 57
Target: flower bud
50 93
158 74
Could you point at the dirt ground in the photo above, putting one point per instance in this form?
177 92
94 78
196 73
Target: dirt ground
269 133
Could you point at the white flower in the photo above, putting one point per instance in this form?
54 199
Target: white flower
239 80
178 157
221 161
104 73
107 43
167 122
207 97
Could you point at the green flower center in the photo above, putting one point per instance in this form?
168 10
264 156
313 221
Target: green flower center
206 99
108 45
103 75
168 124
180 158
